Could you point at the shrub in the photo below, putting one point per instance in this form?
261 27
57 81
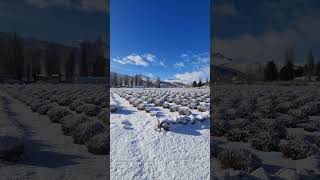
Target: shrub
71 122
45 108
166 105
137 102
79 109
104 116
99 144
147 109
184 111
56 113
239 159
273 125
237 135
65 101
75 104
220 127
83 132
158 102
92 110
265 141
35 105
296 148
141 106
173 108
201 108
193 106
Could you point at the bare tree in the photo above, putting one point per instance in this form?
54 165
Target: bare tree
310 65
158 82
70 66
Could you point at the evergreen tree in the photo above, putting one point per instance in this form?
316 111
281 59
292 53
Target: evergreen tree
17 56
287 72
84 59
271 72
310 65
194 84
70 64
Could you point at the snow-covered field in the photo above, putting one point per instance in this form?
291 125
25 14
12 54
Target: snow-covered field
138 151
62 129
265 132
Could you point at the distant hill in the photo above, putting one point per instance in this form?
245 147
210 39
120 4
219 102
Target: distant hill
224 68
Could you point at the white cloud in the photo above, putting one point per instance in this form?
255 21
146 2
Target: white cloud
179 64
136 59
150 57
225 9
202 73
162 63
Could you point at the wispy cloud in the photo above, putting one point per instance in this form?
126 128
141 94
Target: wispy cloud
162 63
179 64
197 60
136 59
87 5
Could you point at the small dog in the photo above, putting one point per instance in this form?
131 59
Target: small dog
162 125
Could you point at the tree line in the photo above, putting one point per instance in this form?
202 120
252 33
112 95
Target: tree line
289 71
200 83
119 80
21 59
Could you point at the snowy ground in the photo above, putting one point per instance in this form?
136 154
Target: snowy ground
140 152
48 153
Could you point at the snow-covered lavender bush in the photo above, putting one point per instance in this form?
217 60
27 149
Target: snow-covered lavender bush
296 148
104 116
184 111
75 104
43 109
173 108
69 123
239 159
237 135
265 141
99 144
92 110
141 107
83 132
56 113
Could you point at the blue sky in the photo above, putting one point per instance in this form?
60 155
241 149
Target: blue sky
258 31
55 20
160 38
